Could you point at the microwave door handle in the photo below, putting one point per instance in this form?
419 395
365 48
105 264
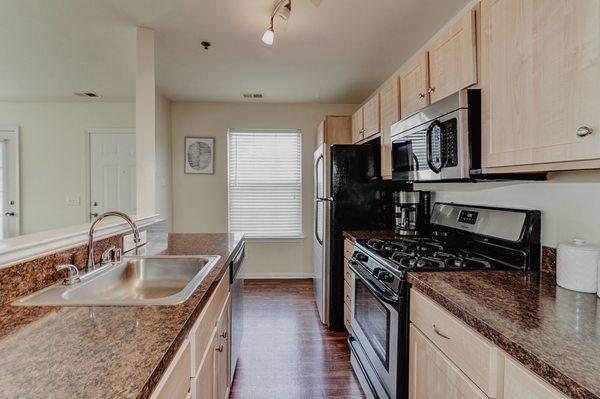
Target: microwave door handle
430 150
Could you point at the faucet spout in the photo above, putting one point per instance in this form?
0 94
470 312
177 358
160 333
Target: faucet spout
136 235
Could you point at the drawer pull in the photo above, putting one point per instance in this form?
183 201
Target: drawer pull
220 348
438 332
224 334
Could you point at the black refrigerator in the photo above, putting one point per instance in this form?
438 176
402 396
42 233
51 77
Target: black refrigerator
349 195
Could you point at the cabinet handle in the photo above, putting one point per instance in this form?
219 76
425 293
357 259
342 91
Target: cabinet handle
421 95
224 334
438 332
584 131
431 90
219 348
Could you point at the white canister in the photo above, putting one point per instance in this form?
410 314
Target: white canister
577 264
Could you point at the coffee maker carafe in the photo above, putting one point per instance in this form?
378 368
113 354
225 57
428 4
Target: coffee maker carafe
412 210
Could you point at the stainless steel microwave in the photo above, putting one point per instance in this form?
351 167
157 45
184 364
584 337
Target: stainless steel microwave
441 142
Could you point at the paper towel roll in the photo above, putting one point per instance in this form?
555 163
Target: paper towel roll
577 265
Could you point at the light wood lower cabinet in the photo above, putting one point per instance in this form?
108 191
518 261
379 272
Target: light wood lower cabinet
175 384
519 383
348 285
222 353
433 376
200 369
448 359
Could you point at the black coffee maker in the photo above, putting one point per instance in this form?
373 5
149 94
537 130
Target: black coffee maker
412 212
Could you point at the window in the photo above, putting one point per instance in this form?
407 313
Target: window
265 183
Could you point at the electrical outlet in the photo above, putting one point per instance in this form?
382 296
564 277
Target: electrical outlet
128 243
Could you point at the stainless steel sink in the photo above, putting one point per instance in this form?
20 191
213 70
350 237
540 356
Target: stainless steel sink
154 280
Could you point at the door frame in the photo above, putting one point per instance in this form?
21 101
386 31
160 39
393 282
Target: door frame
88 160
15 130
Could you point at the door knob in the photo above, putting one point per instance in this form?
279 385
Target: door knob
431 90
584 131
421 95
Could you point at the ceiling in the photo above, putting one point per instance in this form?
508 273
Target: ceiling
338 52
52 48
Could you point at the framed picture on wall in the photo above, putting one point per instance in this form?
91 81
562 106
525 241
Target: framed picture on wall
199 155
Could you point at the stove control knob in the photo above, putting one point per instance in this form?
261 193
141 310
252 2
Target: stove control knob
387 277
361 257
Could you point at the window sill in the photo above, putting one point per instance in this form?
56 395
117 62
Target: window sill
275 239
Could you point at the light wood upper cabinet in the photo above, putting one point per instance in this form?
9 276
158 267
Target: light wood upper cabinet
540 81
335 129
414 85
371 117
432 375
389 98
357 126
452 59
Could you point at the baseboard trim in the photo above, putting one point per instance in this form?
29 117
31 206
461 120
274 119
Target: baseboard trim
270 276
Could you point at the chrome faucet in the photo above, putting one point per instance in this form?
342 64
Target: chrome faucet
136 235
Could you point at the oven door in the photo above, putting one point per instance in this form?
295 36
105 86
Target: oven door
436 150
375 327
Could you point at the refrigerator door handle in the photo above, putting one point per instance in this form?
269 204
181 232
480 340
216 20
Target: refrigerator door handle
320 199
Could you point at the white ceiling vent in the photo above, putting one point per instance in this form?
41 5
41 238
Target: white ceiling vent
88 94
250 96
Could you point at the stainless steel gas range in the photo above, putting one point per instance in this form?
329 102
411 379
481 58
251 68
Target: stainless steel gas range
463 238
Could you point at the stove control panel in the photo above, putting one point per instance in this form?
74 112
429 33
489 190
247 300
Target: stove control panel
469 217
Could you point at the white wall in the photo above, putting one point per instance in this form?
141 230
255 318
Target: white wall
164 173
569 201
54 156
200 201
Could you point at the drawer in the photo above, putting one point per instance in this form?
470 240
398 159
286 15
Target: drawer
347 294
520 383
201 332
479 359
348 249
175 383
348 318
348 274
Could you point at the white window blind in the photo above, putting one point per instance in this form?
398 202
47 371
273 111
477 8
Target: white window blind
265 183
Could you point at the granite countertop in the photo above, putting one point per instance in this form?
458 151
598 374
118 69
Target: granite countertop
354 235
104 352
553 331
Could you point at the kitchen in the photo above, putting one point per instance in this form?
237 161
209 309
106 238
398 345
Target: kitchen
393 202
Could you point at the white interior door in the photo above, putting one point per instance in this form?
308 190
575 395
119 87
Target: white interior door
112 172
9 182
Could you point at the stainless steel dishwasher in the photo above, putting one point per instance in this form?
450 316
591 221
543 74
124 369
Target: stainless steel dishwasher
237 305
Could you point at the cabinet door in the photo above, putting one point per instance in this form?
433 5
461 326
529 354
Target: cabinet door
371 120
203 385
519 383
357 126
540 63
222 357
414 84
452 62
432 375
390 113
338 129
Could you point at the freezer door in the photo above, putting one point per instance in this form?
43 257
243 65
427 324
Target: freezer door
320 234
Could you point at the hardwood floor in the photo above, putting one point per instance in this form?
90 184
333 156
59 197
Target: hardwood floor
286 351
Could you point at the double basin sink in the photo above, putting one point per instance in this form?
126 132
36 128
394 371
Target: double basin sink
135 281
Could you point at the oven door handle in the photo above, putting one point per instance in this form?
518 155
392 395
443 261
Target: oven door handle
388 298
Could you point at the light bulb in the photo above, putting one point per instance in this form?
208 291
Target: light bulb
268 37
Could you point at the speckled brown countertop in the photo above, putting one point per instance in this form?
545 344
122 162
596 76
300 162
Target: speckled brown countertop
553 331
368 234
103 352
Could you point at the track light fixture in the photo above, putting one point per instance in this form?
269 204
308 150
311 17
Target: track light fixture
282 8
